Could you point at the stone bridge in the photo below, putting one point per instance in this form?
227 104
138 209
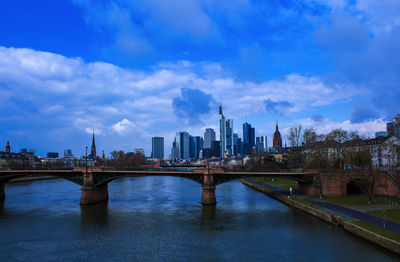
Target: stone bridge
94 182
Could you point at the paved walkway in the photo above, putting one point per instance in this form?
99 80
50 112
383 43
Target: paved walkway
345 211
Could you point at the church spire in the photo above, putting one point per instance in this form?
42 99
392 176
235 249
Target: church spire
276 125
93 151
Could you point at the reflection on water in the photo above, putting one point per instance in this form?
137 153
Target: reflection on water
94 214
1 208
208 213
162 219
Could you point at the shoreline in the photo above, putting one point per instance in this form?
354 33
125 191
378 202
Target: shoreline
330 217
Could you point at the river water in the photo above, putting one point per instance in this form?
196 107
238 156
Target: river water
162 219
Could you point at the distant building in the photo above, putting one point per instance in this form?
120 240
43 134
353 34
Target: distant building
209 136
264 143
8 148
68 158
139 151
181 146
248 139
240 146
277 141
380 134
196 145
157 147
216 149
393 128
93 152
235 144
207 153
68 153
52 155
226 134
259 145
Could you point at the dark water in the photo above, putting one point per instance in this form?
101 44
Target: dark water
161 219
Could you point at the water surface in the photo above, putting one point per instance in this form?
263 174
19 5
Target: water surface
161 219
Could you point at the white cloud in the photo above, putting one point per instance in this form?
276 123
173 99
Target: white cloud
118 102
123 127
367 129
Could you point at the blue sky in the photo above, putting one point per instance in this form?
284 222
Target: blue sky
135 69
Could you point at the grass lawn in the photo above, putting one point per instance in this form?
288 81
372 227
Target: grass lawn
378 230
283 183
390 214
301 201
359 200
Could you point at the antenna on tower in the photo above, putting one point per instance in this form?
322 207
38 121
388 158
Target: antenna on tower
245 118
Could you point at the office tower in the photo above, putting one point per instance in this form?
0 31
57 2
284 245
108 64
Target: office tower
226 134
174 150
222 132
235 144
209 136
183 145
216 148
248 139
240 146
264 143
157 147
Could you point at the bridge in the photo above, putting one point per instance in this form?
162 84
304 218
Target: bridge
94 182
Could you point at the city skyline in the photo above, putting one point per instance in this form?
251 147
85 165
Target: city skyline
132 71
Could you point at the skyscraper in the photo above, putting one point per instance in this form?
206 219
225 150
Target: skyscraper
209 136
157 147
264 143
248 138
235 144
181 146
226 134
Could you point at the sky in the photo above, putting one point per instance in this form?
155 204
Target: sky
131 70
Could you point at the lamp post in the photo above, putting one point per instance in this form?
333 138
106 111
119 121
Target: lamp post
86 160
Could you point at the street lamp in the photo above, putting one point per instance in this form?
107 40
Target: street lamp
86 160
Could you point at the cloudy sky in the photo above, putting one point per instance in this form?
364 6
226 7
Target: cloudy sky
133 69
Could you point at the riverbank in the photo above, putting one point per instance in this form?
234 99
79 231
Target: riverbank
377 235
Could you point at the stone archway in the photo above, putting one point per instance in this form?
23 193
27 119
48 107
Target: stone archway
353 188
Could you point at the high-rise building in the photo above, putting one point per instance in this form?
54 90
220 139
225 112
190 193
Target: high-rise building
182 144
216 148
240 146
226 134
157 147
248 139
277 141
235 144
209 136
196 144
259 146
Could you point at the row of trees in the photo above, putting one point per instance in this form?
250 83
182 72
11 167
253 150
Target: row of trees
335 150
123 161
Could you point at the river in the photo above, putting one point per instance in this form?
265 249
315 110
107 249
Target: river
162 219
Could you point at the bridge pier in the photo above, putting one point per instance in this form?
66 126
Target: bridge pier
94 195
208 194
90 194
2 192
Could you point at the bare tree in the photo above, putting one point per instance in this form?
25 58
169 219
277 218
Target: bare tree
294 136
